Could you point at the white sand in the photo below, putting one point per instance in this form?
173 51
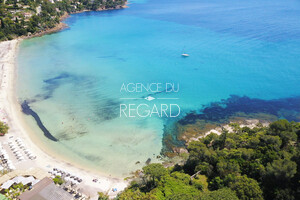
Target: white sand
10 112
250 123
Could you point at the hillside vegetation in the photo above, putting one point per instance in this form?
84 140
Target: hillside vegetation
259 163
27 17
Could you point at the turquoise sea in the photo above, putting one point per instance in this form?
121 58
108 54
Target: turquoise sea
72 79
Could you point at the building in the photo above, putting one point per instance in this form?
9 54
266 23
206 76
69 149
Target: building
27 15
19 179
46 190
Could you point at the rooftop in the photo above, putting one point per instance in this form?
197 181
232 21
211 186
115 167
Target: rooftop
46 190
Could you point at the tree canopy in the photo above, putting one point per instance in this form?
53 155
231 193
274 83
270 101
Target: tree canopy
3 128
27 17
258 163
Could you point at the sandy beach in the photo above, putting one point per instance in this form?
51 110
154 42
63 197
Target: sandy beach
10 113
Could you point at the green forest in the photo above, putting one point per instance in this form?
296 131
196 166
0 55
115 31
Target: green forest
247 164
27 17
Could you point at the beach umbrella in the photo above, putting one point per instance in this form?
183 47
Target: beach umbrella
18 153
13 147
19 156
67 179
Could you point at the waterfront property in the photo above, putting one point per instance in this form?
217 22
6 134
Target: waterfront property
46 190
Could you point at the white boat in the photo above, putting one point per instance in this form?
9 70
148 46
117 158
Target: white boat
185 55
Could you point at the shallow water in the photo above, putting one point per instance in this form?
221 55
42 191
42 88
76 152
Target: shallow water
72 79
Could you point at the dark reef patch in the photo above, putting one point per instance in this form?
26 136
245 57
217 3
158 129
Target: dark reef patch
28 111
197 122
92 158
104 108
53 83
69 136
59 77
226 108
72 131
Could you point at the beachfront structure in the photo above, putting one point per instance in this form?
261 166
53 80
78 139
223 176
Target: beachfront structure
19 179
46 190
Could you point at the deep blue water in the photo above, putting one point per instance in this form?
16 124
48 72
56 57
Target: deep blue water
72 79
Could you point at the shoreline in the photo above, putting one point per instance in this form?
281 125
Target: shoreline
61 26
18 128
